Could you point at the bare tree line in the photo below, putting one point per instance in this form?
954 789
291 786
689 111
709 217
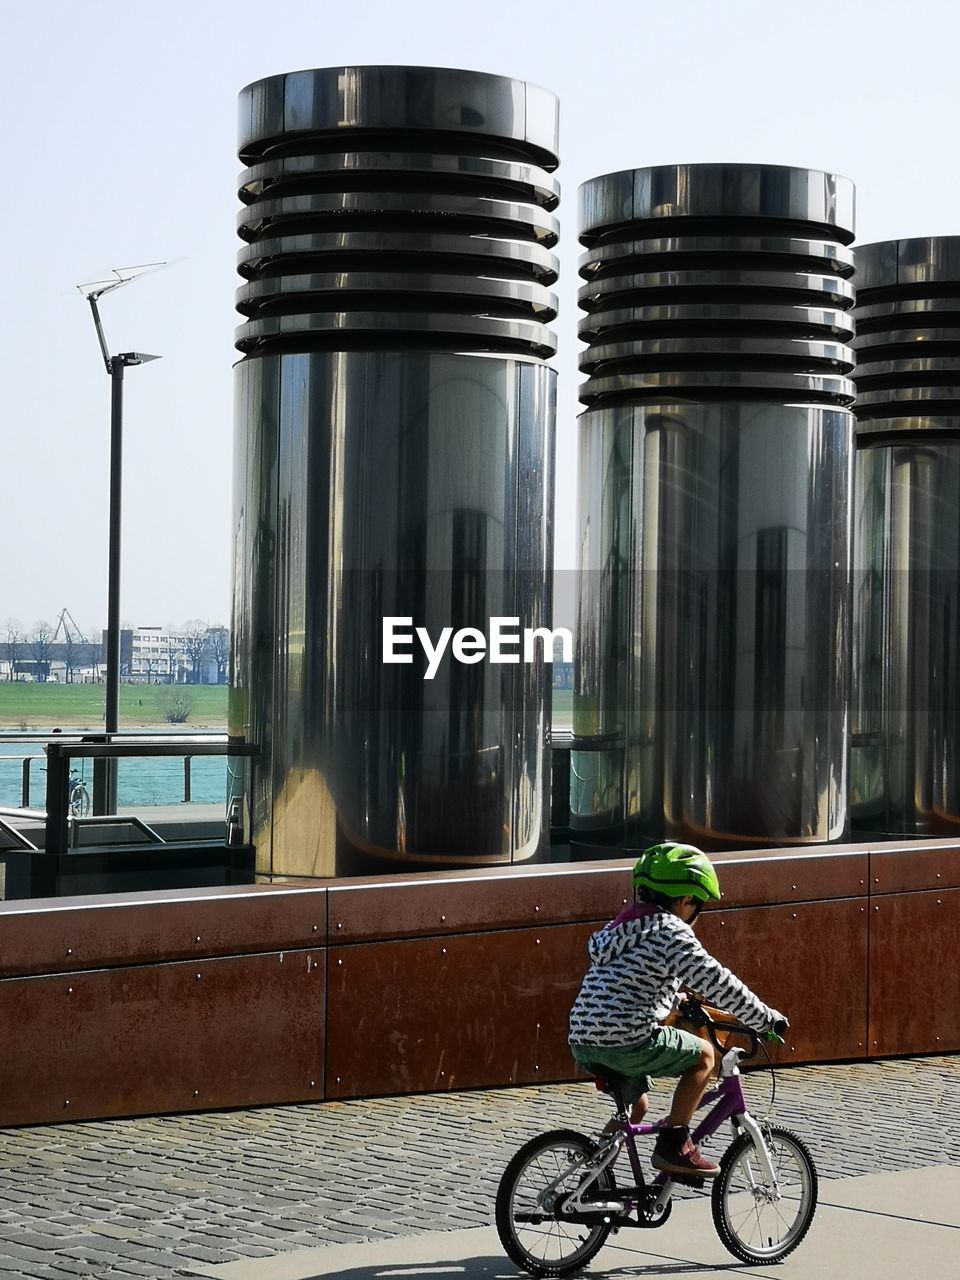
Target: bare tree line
203 645
36 646
206 644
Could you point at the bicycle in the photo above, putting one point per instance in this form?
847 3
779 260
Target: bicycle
558 1199
78 797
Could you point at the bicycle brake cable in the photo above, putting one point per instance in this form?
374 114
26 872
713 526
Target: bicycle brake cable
773 1077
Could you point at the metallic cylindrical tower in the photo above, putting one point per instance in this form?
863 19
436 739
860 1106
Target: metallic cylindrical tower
905 759
715 467
393 457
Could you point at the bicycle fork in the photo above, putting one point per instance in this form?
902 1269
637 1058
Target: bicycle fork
736 1109
746 1120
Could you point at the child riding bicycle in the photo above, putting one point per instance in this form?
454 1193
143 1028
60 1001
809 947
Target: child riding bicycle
639 961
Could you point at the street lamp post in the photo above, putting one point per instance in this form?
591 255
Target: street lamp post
105 795
116 365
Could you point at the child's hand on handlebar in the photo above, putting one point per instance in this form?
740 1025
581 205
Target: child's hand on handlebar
779 1029
688 1007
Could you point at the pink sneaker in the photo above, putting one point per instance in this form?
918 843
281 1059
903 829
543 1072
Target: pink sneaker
675 1153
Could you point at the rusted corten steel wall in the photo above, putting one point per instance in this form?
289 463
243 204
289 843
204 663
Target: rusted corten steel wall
492 1004
174 1001
194 1000
914 940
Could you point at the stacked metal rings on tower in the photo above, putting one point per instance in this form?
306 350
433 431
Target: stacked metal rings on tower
906 714
389 205
710 695
717 282
908 335
393 465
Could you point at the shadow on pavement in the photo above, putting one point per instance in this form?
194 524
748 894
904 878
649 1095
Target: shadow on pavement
487 1268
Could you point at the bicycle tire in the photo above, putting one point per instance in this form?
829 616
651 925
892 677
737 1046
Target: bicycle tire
541 1161
80 801
794 1166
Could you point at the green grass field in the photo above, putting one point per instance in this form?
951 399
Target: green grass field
42 706
562 708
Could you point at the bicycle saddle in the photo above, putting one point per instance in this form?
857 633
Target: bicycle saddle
607 1080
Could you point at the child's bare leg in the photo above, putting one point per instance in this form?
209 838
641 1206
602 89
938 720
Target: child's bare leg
636 1115
691 1088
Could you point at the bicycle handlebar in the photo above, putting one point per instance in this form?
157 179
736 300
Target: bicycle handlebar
694 1012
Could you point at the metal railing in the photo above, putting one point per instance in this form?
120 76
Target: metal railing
105 752
31 765
13 836
43 769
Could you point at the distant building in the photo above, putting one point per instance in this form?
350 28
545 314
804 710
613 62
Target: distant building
151 655
76 663
154 655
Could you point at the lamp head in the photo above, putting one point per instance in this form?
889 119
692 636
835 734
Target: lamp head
136 357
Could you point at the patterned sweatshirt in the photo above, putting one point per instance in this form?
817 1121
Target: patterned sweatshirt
638 963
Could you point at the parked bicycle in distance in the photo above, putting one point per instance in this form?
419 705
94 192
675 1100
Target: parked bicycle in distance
559 1200
78 797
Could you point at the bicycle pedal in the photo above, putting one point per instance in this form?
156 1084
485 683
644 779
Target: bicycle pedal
695 1180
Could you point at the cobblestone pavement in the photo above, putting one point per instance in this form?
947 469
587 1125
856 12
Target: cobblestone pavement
147 1197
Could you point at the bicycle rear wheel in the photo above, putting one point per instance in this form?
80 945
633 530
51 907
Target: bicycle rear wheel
542 1172
754 1225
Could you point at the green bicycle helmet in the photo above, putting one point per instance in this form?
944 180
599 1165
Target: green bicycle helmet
672 870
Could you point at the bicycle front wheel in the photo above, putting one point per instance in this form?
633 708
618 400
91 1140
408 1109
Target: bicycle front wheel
80 801
760 1223
538 1177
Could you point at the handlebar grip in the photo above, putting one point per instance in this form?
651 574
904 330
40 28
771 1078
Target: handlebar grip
780 1027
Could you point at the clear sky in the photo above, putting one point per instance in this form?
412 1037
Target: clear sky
120 135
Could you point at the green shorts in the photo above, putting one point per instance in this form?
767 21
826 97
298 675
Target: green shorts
668 1052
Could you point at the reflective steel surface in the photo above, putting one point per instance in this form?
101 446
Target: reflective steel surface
715 506
711 683
755 316
905 759
775 199
908 343
406 202
394 459
445 108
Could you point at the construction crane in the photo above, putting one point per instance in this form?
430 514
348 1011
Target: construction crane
65 622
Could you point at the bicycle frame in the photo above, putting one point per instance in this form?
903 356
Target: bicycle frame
728 1104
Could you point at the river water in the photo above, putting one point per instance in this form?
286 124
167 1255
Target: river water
140 783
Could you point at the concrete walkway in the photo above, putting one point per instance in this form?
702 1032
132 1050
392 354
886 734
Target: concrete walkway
406 1185
878 1227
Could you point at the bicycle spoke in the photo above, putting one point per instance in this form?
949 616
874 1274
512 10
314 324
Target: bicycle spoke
756 1215
743 1221
759 1220
563 1229
788 1225
553 1170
